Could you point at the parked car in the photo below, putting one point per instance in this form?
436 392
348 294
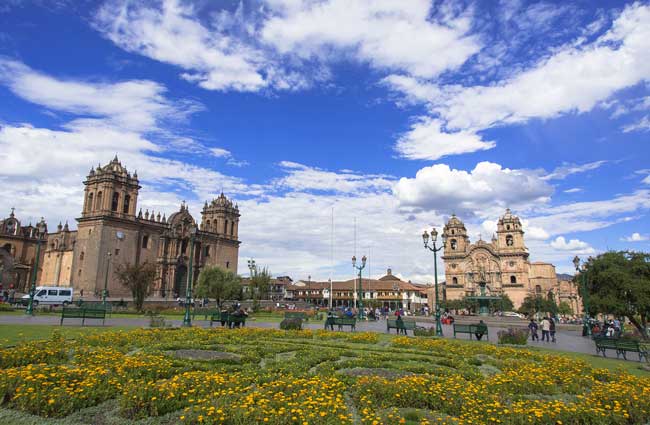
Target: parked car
50 295
513 314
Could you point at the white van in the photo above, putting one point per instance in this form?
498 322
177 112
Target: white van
50 295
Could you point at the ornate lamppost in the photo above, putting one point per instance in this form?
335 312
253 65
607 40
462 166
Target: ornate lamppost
309 289
359 268
586 329
434 249
251 268
105 291
42 228
187 320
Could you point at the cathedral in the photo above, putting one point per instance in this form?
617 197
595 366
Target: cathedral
111 231
501 266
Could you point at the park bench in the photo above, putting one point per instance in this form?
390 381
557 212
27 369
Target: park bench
400 325
296 315
96 306
469 329
83 314
203 311
622 347
227 319
345 321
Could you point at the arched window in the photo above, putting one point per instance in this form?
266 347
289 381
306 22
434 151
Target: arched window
232 227
227 264
454 281
127 204
453 232
225 227
89 205
513 279
453 243
509 240
507 227
538 289
98 201
145 241
116 200
207 226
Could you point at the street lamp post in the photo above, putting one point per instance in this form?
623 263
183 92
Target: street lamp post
187 320
359 268
309 289
251 267
41 227
105 291
434 249
586 329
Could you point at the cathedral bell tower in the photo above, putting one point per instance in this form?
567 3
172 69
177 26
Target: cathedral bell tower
110 191
455 236
510 235
221 217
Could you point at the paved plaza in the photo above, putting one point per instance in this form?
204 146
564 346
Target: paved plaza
567 339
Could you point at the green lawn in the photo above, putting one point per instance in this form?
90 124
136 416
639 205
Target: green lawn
12 334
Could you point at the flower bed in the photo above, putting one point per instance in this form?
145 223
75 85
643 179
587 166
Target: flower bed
311 377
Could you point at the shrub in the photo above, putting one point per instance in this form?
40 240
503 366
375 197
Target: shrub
293 324
513 336
420 331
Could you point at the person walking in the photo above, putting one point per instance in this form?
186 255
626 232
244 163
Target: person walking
546 329
552 329
533 330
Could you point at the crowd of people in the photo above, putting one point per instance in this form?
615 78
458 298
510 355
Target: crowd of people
547 326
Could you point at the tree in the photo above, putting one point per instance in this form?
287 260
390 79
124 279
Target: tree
503 304
219 284
260 284
618 283
139 278
538 304
564 308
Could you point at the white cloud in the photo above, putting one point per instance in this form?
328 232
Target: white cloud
373 31
136 105
210 56
636 237
567 169
646 180
574 245
488 184
426 140
220 153
573 190
226 154
642 125
572 79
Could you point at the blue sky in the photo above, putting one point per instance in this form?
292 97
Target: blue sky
394 113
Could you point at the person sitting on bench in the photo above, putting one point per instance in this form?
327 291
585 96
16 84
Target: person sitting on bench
480 330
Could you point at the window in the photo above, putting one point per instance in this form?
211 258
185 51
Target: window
453 244
206 251
145 241
227 264
207 225
127 204
513 279
52 292
454 281
65 293
453 232
225 227
41 293
183 246
117 251
538 289
509 240
507 227
98 201
232 228
116 200
89 205
7 247
81 256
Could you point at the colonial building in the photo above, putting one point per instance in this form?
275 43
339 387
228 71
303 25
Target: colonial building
389 291
112 231
18 247
501 266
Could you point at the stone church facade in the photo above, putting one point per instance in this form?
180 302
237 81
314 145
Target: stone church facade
111 231
502 265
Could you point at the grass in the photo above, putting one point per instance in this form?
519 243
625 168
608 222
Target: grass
10 335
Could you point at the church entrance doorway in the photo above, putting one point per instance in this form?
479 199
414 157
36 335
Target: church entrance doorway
180 283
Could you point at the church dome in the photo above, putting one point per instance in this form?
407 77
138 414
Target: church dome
455 222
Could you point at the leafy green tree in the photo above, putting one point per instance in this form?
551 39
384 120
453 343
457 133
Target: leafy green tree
618 283
538 304
564 308
260 284
503 304
139 278
217 283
